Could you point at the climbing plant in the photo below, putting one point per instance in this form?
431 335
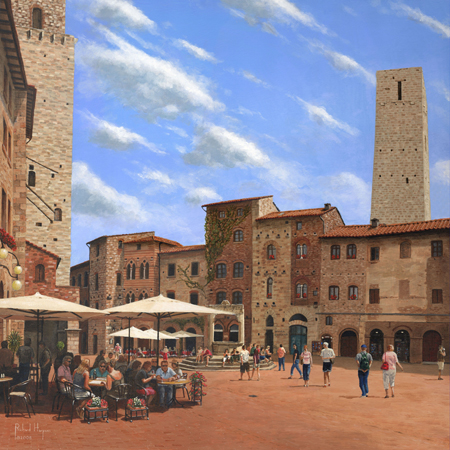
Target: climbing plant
199 321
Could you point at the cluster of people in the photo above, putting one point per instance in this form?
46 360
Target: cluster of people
256 353
203 355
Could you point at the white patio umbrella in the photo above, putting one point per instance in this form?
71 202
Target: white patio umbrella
153 335
131 332
41 307
160 307
185 334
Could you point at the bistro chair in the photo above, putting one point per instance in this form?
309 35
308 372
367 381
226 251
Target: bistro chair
19 391
59 393
120 392
75 393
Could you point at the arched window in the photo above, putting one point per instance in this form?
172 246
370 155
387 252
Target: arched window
73 281
132 298
335 252
79 279
271 252
37 18
334 292
405 250
118 279
269 287
86 279
238 236
31 178
220 297
96 281
269 321
171 295
234 333
298 317
353 293
218 332
127 298
193 298
328 320
302 251
58 214
237 298
39 274
141 296
131 271
301 290
351 251
221 271
238 270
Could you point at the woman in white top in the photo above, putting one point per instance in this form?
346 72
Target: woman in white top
306 357
327 354
389 375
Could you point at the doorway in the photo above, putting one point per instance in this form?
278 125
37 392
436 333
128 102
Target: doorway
430 344
297 335
401 345
268 341
349 344
376 346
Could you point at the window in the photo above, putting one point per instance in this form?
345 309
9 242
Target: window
86 279
353 293
5 96
237 298
301 251
118 279
301 290
4 220
335 251
171 270
334 292
436 296
193 298
141 296
9 217
218 332
405 250
120 245
351 251
234 333
222 214
328 320
269 321
31 178
132 298
58 215
131 271
171 295
9 145
96 282
221 271
299 225
143 271
271 252
238 236
73 281
97 250
79 280
269 287
194 269
374 253
436 248
39 274
238 270
138 246
240 212
220 297
399 89
374 296
37 18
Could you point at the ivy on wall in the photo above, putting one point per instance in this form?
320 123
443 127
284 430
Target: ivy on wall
199 321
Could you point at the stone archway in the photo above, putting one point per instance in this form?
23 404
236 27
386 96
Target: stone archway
430 345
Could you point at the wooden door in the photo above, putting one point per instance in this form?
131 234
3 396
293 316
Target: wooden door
349 344
430 344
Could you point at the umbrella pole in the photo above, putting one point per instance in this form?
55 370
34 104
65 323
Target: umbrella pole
129 339
36 398
157 343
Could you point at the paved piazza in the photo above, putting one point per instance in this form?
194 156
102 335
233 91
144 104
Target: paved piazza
283 414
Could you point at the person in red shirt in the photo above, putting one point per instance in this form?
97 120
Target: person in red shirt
206 355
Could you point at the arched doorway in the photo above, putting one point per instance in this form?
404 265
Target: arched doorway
430 344
234 333
218 332
190 342
268 340
376 346
297 335
401 345
171 343
349 344
328 339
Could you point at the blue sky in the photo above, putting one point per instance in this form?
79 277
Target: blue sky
179 103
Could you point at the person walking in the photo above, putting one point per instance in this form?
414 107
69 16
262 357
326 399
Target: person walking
364 361
245 356
390 357
281 352
26 356
440 361
306 357
295 361
45 363
256 362
327 355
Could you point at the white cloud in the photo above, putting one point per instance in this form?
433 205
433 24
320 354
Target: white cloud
177 130
341 62
123 11
349 10
181 149
254 11
106 135
442 89
92 197
418 16
145 44
215 146
253 78
247 112
156 175
320 115
152 86
198 52
200 195
441 172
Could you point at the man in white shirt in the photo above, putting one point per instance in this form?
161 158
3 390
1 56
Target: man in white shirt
245 366
327 354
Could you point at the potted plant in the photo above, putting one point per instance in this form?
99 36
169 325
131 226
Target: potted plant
197 384
14 341
269 295
136 403
304 295
303 256
298 295
298 256
333 297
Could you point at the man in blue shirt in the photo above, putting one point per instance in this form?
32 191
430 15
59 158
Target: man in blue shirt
165 392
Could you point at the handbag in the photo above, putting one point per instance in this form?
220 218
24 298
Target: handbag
385 365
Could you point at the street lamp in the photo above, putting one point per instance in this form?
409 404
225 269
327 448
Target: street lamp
7 239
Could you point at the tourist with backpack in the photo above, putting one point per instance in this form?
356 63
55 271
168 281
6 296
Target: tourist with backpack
364 361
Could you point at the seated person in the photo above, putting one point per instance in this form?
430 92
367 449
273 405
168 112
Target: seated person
121 364
268 354
206 355
113 379
64 374
226 357
133 358
177 370
130 375
75 363
199 355
81 379
100 357
165 392
262 355
6 359
110 358
100 371
142 381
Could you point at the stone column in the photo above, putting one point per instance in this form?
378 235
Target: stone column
211 328
241 320
73 335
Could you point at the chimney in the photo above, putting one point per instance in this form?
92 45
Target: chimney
327 206
375 223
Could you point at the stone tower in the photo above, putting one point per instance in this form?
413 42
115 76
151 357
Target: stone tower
48 54
401 179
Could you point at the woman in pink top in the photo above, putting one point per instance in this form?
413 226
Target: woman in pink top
307 364
389 375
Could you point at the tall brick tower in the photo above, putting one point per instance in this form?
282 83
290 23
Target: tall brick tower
401 174
48 54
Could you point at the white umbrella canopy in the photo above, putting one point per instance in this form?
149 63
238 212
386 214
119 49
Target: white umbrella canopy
153 335
131 332
185 334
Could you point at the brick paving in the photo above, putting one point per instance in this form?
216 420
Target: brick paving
283 414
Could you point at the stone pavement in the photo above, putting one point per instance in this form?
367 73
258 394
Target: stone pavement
275 413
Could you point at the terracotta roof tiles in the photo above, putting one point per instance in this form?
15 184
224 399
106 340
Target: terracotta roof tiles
43 250
237 200
187 248
296 213
153 238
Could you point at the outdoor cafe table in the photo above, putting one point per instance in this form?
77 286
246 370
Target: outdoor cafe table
5 383
99 383
181 383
